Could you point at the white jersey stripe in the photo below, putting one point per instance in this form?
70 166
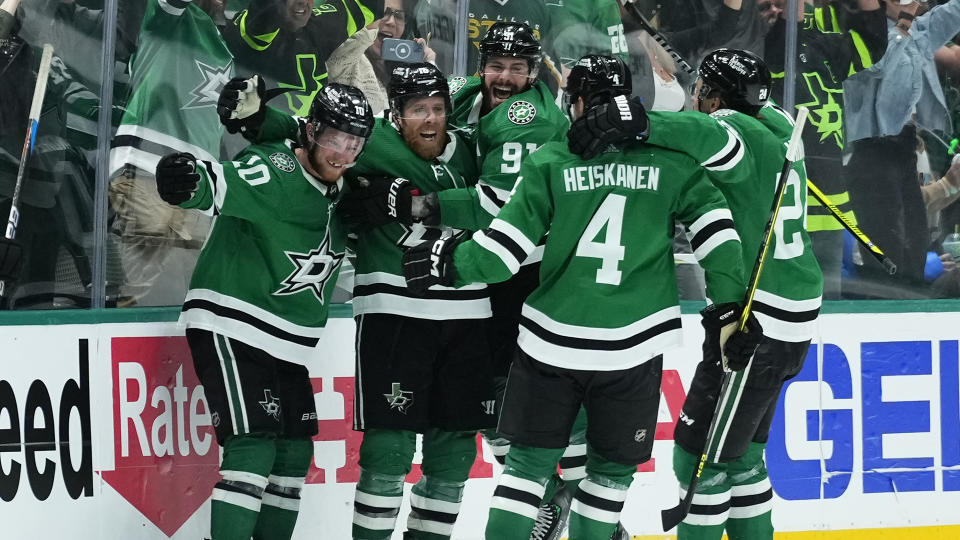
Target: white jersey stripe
505 255
514 234
715 240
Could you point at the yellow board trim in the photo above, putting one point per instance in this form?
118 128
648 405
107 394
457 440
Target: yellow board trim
943 532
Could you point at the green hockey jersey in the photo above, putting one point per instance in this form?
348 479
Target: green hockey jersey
503 138
178 70
379 286
607 298
743 157
266 273
581 27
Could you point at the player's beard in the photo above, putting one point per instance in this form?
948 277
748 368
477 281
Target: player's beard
424 148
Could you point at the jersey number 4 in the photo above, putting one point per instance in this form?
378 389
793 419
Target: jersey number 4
608 219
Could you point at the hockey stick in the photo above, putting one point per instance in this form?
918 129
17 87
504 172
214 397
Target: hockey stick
631 7
28 143
877 253
672 517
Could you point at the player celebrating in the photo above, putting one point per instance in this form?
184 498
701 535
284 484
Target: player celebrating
741 144
258 301
606 358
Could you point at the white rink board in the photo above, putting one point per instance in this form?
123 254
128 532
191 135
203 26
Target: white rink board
887 385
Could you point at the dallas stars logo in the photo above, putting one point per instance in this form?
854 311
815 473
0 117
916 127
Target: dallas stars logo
207 92
399 399
313 269
825 112
271 404
521 112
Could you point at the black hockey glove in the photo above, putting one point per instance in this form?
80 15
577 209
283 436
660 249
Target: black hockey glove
241 106
724 344
10 257
177 177
619 121
430 263
373 201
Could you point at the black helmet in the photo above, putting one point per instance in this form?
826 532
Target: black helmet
739 77
341 107
420 79
511 39
597 78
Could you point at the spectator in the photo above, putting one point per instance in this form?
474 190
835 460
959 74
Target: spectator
7 9
358 61
888 103
289 42
176 76
825 60
695 27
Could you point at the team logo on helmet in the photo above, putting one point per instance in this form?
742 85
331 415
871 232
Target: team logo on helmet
456 84
283 162
521 112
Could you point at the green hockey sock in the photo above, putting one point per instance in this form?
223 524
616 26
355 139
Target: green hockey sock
236 500
385 458
516 500
573 463
711 502
448 457
751 497
598 501
281 498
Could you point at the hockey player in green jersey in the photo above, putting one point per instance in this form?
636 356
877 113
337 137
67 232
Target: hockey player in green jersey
258 302
428 353
742 146
610 221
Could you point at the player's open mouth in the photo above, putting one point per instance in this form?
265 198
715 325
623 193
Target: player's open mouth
502 92
428 135
335 165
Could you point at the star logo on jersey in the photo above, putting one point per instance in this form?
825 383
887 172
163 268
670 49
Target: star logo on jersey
207 92
399 399
521 112
271 404
283 162
313 269
826 115
456 84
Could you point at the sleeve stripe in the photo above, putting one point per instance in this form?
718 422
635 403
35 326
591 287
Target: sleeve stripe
218 187
490 200
173 7
515 234
720 237
708 218
729 156
509 258
705 233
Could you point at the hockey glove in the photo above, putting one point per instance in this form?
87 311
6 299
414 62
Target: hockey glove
430 263
241 106
729 347
177 177
10 257
619 121
376 200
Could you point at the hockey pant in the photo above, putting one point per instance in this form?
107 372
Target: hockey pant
596 506
259 495
386 456
736 496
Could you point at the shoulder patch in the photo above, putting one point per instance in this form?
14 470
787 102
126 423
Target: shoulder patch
521 112
283 162
456 83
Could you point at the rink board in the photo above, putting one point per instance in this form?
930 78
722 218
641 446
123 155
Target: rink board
104 433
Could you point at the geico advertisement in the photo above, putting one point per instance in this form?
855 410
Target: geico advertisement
105 433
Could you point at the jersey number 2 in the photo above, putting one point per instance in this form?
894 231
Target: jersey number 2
792 211
610 217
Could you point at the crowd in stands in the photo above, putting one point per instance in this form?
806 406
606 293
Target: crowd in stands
879 78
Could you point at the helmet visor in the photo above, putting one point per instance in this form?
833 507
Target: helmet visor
344 146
